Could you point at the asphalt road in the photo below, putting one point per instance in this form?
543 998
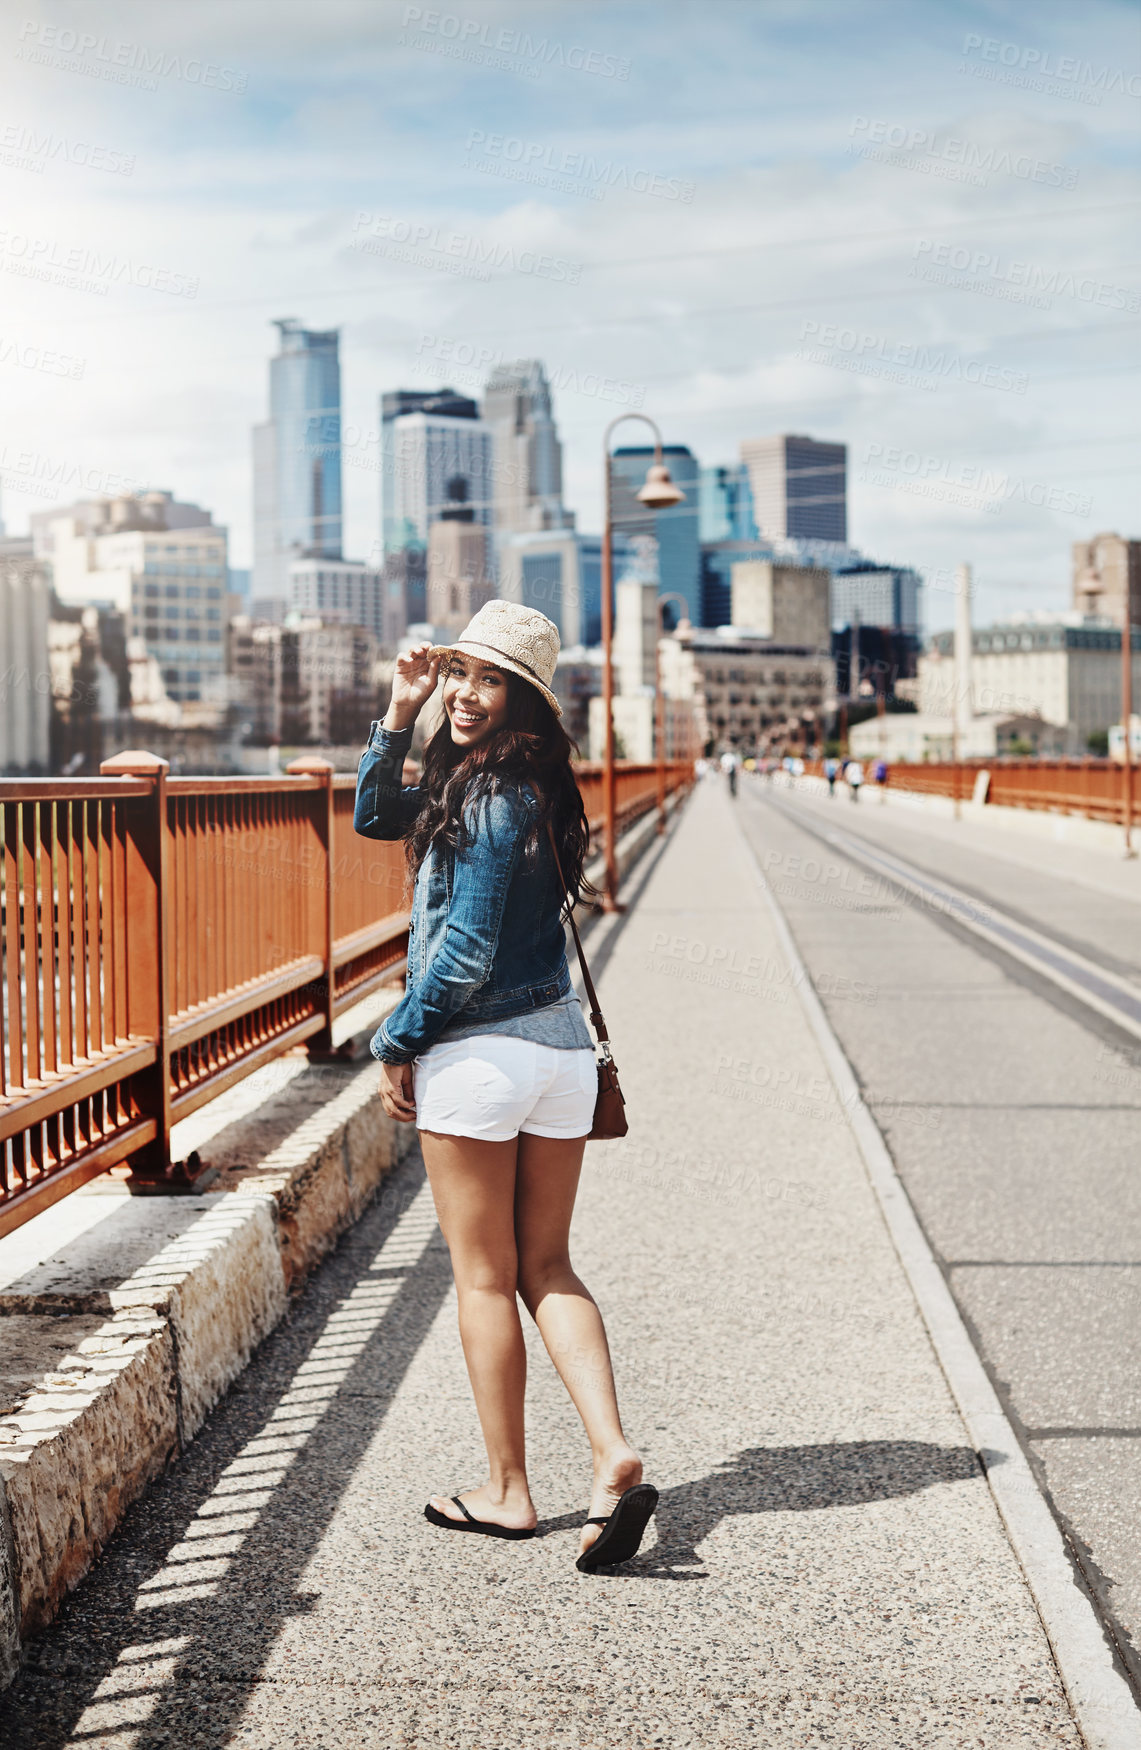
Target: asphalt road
1011 1110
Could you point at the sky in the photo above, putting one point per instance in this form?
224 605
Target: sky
909 227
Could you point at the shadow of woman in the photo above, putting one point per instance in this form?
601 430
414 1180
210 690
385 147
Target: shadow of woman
785 1479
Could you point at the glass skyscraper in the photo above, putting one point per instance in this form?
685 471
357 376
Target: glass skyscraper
398 535
676 529
434 463
876 595
559 571
800 487
297 457
528 454
725 504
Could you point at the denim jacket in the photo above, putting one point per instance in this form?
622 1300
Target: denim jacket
485 935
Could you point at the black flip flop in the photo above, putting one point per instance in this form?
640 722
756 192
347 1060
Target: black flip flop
470 1523
622 1530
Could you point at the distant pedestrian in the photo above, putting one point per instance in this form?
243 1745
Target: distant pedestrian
854 774
488 1052
729 767
831 767
879 773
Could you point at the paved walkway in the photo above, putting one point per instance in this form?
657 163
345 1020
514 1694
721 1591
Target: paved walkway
828 1566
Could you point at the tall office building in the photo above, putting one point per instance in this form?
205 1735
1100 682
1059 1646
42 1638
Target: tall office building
339 590
788 603
637 616
394 404
528 455
25 703
675 529
297 458
725 504
460 575
799 487
162 566
1106 569
310 682
559 571
876 595
434 462
405 579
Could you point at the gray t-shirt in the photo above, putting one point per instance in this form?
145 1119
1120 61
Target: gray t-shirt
561 1024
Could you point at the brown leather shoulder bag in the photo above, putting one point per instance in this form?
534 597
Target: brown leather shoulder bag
610 1104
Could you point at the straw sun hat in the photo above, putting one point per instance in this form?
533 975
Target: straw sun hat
513 637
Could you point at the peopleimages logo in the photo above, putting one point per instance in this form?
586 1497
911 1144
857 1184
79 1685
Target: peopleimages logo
962 160
35 475
88 270
1039 70
458 252
570 172
954 264
38 358
463 361
26 148
937 478
932 364
471 39
121 62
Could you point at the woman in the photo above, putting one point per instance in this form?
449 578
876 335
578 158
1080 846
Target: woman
488 1052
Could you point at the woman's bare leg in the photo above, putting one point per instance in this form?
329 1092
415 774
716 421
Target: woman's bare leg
473 1185
546 1180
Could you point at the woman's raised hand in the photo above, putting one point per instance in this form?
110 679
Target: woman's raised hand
413 683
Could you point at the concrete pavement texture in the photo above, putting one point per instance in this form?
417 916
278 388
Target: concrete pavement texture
1086 896
826 1565
1011 1112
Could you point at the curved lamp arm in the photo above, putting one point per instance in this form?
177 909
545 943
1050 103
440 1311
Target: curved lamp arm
646 420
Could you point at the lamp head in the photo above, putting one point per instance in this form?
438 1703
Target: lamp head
659 492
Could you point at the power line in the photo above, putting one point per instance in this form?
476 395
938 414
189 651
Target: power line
866 236
630 261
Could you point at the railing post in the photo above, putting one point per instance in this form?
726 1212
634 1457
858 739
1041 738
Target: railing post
146 903
311 765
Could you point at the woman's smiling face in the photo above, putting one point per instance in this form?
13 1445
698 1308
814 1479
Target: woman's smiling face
475 699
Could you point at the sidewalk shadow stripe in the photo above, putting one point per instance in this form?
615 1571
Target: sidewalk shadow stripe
650 859
259 1592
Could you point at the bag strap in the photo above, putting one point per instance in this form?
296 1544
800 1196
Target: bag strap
596 1019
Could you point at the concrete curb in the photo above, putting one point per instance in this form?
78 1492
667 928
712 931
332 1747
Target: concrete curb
1102 1701
634 843
117 1348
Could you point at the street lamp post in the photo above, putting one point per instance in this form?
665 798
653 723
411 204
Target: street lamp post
658 493
1126 714
659 701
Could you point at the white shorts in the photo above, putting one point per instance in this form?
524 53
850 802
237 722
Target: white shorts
495 1087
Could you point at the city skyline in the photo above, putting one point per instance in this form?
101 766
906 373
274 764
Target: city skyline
761 264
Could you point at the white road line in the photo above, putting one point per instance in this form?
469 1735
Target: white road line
1102 1701
1111 996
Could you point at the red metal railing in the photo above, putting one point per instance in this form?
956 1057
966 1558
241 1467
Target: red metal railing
1091 787
635 790
161 938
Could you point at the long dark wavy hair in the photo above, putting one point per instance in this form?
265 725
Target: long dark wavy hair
532 746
